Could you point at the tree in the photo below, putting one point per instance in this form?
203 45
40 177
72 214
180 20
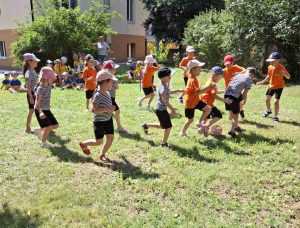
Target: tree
168 18
63 31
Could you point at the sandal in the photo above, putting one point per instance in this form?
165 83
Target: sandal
104 158
85 149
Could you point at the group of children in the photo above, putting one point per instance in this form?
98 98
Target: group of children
100 87
12 83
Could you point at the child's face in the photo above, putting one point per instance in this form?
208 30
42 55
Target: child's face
90 63
33 64
195 72
275 62
107 85
166 80
217 77
229 65
191 54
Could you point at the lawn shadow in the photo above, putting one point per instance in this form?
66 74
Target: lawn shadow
64 153
137 137
257 124
191 153
17 218
127 169
253 138
294 123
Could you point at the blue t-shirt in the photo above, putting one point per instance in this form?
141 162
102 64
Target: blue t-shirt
15 82
6 82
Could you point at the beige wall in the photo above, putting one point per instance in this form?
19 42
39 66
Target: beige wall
14 12
8 36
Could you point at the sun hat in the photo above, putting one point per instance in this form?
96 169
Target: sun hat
228 60
190 49
64 59
274 56
217 70
110 64
150 59
49 61
88 57
56 61
30 57
194 63
47 73
164 72
105 75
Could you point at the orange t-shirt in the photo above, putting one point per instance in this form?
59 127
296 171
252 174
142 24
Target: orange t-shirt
89 77
184 62
149 72
209 96
276 78
230 72
191 93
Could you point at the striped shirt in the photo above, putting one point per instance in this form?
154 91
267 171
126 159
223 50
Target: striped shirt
163 92
101 100
44 92
32 79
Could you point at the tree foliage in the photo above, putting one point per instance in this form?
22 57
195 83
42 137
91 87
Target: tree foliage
168 18
63 31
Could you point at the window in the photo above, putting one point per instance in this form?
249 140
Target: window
66 3
131 50
2 50
130 11
106 3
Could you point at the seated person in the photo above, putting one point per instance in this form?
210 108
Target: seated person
6 82
15 84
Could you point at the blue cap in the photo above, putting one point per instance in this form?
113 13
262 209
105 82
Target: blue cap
274 56
217 70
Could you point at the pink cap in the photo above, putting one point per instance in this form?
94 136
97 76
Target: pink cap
110 64
228 60
30 56
48 73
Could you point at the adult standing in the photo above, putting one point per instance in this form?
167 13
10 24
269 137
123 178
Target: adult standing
102 49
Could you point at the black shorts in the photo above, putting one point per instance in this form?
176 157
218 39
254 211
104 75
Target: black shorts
30 106
164 119
50 119
215 113
89 94
185 80
190 112
277 92
113 99
102 128
148 91
234 107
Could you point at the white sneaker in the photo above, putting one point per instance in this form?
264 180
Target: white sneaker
46 145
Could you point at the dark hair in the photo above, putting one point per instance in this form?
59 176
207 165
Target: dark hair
25 67
252 70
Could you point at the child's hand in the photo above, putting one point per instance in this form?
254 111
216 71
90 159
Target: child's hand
227 101
212 85
42 115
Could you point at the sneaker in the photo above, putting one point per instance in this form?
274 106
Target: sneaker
45 145
232 134
267 113
146 128
239 130
275 119
242 114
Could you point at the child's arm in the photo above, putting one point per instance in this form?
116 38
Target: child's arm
263 81
221 92
177 91
37 103
210 86
245 94
220 98
286 74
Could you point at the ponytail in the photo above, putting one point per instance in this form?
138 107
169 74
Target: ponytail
25 67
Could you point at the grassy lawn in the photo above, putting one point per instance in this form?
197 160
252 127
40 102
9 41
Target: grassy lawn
251 181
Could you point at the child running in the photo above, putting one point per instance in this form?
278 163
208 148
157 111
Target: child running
209 98
162 107
229 71
276 75
148 78
89 77
236 93
191 95
44 116
30 63
103 110
112 67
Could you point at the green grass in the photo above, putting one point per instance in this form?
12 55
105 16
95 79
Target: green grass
252 181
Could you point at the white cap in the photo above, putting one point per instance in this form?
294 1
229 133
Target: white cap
105 75
150 59
64 59
194 63
190 49
30 56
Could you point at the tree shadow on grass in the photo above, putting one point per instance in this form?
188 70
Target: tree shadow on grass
257 124
17 218
127 169
294 123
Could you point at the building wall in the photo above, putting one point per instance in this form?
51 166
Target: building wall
8 36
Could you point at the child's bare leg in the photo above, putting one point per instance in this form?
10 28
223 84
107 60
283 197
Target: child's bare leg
268 103
235 121
142 99
118 119
45 133
166 135
186 125
87 104
12 90
151 99
206 111
28 122
92 142
107 145
213 121
277 107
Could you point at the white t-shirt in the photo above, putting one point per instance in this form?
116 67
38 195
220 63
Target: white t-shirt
103 48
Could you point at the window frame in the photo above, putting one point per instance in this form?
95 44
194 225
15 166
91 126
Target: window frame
3 47
130 9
